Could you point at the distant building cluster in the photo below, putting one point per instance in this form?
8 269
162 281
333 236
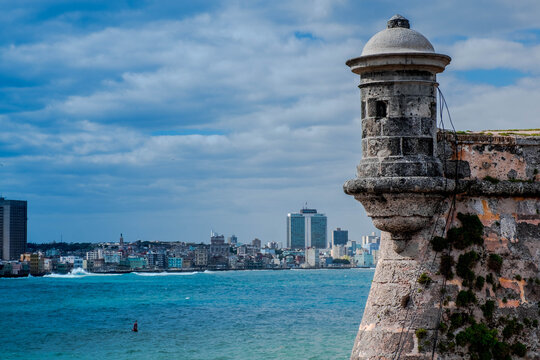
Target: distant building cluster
365 254
307 247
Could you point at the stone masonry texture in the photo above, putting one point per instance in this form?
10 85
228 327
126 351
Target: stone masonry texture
458 275
510 229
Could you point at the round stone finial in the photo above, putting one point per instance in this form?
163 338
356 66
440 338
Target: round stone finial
398 37
398 21
398 46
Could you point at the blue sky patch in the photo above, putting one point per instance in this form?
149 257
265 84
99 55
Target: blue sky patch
495 77
304 35
185 132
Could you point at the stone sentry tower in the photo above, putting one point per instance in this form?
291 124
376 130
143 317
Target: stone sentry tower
398 70
417 182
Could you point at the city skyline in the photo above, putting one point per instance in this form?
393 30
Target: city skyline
117 118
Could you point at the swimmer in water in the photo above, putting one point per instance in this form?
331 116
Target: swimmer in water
135 327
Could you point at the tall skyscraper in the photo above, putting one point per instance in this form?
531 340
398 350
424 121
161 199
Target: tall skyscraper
13 237
340 237
306 229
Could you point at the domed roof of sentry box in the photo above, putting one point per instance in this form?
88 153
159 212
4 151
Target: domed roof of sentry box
397 38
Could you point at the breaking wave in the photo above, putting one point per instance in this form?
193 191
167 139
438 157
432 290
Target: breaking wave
77 273
164 273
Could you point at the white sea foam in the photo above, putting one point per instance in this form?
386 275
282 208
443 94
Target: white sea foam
64 276
79 271
164 273
77 274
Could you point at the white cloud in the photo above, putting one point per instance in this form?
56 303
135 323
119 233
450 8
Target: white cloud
176 66
481 107
281 113
487 53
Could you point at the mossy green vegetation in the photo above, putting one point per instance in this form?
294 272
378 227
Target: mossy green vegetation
445 346
513 327
509 132
481 337
488 308
479 283
439 243
519 130
501 351
424 279
445 267
423 341
521 180
519 349
483 343
465 297
442 327
491 179
459 319
495 262
519 134
468 234
421 333
465 264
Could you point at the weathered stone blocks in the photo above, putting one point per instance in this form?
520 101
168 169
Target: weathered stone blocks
413 182
371 127
417 146
382 147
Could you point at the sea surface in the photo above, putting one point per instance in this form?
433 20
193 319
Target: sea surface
291 314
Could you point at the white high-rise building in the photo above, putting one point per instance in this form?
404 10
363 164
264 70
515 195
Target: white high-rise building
94 254
306 229
312 257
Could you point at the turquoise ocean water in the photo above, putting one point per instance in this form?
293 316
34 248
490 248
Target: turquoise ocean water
302 314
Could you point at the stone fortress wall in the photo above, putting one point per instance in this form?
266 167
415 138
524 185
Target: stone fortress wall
458 276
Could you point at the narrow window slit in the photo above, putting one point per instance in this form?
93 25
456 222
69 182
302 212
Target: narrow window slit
380 109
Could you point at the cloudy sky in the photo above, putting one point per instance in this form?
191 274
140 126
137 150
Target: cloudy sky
166 119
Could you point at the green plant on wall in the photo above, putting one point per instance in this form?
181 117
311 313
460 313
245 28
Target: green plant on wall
495 262
424 279
465 264
480 337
